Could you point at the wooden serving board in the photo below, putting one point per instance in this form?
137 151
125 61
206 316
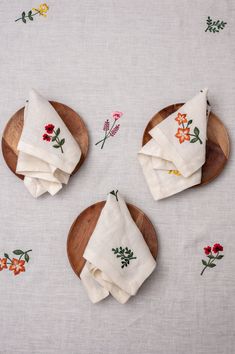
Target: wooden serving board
217 145
83 227
13 130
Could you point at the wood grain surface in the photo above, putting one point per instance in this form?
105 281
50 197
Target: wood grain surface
83 227
13 129
217 145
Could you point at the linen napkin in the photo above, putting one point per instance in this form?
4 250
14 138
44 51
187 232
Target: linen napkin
172 159
118 259
48 153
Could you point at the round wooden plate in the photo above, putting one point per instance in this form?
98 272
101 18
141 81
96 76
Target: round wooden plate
217 145
13 129
83 227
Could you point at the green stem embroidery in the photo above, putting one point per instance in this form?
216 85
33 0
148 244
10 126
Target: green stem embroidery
29 16
115 194
125 254
210 263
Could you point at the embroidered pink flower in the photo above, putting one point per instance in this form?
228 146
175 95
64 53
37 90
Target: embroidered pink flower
217 247
46 137
3 263
115 130
106 125
116 115
207 250
17 266
49 128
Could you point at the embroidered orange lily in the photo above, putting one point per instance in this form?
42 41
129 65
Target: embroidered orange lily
183 134
181 118
3 263
17 266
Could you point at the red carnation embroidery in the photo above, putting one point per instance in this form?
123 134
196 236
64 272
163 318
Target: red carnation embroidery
49 128
207 250
217 247
46 137
211 258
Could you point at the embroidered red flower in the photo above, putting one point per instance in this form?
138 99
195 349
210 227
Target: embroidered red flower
181 118
49 128
116 115
207 250
46 137
217 247
183 134
17 266
3 263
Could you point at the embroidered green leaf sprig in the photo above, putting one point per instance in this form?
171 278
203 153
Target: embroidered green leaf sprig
115 194
214 26
42 10
16 265
125 254
50 129
217 248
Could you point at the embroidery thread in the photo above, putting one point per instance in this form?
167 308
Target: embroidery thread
174 172
16 265
41 11
212 258
115 194
110 132
214 26
125 254
50 129
183 133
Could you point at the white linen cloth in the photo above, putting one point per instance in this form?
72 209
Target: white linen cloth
48 153
118 259
172 159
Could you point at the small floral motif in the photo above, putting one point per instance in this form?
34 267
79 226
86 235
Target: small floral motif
214 26
110 132
41 11
174 172
50 129
16 265
183 133
125 254
115 194
212 258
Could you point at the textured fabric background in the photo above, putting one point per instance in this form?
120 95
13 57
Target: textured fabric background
135 56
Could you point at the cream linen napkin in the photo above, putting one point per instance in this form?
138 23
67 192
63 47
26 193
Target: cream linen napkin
117 258
172 159
48 153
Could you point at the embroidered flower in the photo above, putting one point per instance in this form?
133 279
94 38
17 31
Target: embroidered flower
116 115
49 128
181 118
174 172
217 247
211 258
3 263
46 137
207 250
17 266
183 134
110 132
43 8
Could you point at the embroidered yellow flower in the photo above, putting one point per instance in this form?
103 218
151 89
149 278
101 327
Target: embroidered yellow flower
174 172
43 8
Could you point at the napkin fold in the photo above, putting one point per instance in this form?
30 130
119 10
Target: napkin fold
118 259
171 161
48 153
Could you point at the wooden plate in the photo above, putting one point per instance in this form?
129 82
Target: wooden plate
217 145
83 227
13 129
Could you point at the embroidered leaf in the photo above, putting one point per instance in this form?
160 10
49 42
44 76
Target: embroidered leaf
30 15
6 255
196 131
220 256
204 262
56 146
194 140
26 257
210 256
24 20
57 132
125 254
211 265
54 138
18 252
62 142
189 122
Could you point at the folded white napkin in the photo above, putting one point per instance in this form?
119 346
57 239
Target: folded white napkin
48 153
118 259
172 159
